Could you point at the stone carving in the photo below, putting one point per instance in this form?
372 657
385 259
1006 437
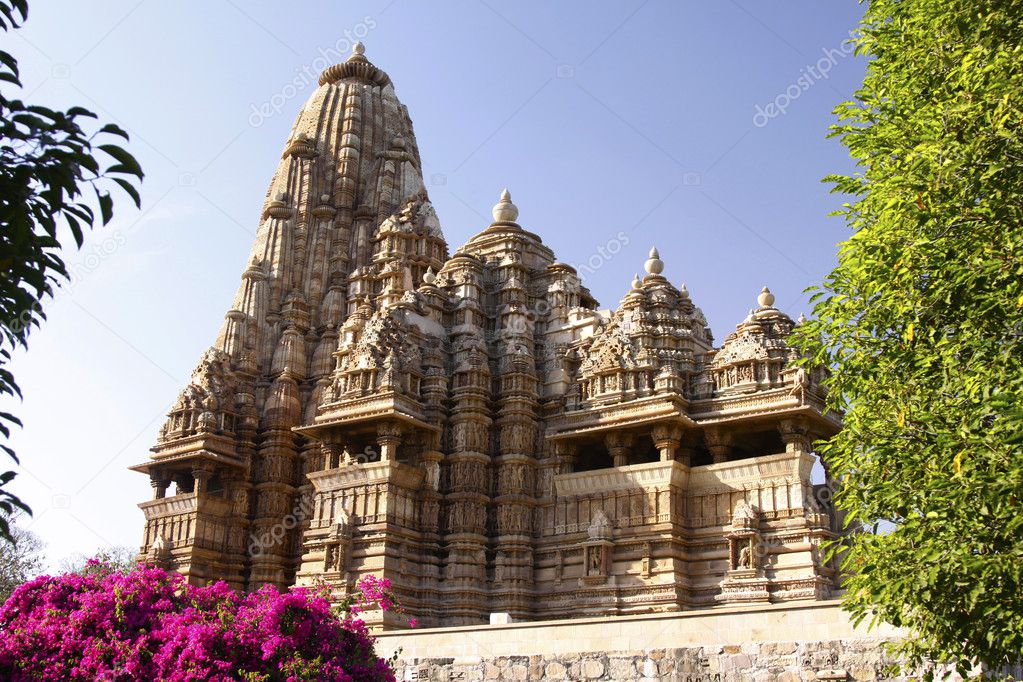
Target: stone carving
600 526
595 565
495 433
745 557
205 405
159 551
744 515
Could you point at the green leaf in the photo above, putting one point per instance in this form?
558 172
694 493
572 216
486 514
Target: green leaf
126 162
114 129
129 190
106 206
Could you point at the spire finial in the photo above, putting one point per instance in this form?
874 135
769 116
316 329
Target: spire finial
637 283
358 48
654 265
766 298
504 210
802 319
430 277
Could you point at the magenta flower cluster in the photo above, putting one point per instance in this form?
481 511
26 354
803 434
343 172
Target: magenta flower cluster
148 624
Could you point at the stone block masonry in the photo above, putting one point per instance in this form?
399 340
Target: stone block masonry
787 642
783 661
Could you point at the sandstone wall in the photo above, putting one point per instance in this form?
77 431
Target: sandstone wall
812 641
782 661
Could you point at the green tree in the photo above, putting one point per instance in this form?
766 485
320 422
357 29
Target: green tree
21 558
922 324
52 188
115 557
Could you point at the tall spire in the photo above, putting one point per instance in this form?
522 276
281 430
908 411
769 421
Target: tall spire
350 169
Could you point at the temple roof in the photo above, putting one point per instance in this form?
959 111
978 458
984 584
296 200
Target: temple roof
357 68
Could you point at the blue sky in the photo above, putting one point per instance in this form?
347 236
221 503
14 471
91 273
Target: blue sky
650 118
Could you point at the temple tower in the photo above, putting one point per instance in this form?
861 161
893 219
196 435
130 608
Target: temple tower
475 428
333 231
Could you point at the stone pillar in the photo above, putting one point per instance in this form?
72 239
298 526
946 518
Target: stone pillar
467 494
274 475
795 434
160 484
719 443
389 435
202 474
619 445
241 494
667 439
331 455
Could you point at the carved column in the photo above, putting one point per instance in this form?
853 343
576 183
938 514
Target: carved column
719 443
159 483
240 492
795 434
468 474
274 478
331 455
202 474
691 440
389 435
619 445
667 439
516 471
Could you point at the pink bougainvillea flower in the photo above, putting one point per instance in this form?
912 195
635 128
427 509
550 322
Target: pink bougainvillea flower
147 624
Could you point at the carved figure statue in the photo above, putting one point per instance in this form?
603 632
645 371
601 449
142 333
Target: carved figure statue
745 557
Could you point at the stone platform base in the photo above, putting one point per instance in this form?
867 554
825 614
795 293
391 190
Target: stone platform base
791 642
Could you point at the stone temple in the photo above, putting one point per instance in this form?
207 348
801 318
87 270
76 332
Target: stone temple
471 425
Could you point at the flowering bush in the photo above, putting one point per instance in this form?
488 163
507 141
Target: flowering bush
148 624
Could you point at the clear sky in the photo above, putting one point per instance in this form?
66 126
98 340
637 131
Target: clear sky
649 118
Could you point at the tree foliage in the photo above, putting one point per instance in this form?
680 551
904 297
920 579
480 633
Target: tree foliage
20 559
112 558
52 185
922 324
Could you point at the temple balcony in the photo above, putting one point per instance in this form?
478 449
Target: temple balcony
188 520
